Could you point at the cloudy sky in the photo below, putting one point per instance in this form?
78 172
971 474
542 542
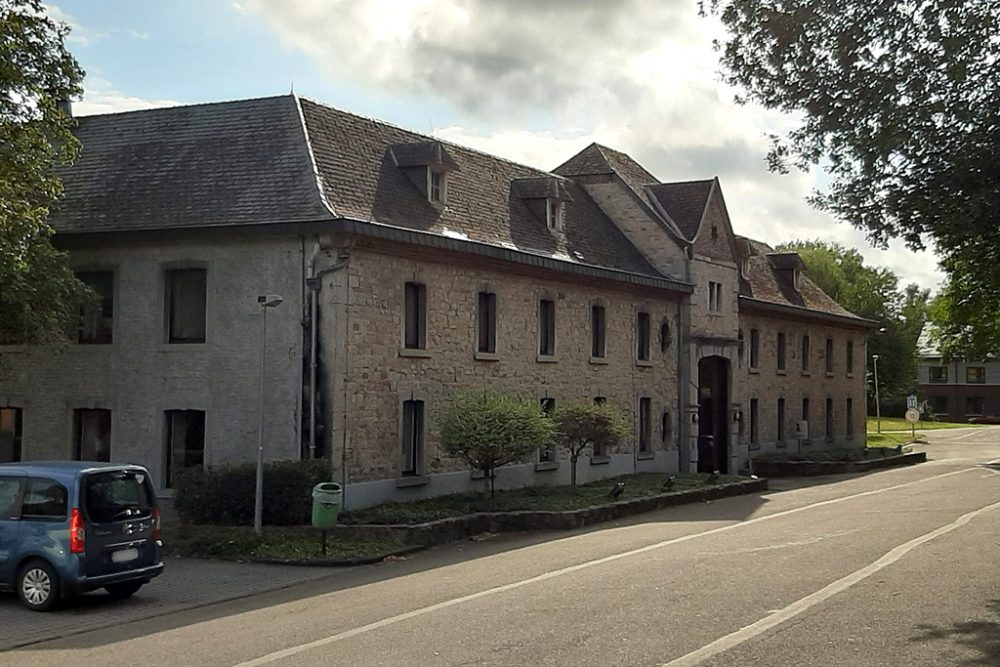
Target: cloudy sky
532 81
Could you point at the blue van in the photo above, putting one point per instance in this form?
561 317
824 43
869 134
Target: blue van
68 527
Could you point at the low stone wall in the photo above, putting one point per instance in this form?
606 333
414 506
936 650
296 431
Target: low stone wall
463 527
812 468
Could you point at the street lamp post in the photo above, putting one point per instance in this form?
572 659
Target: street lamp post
268 301
878 409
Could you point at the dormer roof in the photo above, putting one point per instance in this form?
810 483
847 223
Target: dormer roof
541 187
423 154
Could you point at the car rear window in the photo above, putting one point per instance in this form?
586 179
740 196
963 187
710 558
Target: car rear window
117 496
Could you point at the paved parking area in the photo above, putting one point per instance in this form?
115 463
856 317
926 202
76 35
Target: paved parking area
185 584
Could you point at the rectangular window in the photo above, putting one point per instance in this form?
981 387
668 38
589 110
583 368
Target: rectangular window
92 435
805 409
805 354
939 404
937 374
975 374
829 419
973 405
547 453
754 347
487 322
435 186
413 437
546 327
754 422
44 499
642 337
829 355
597 346
415 316
714 297
185 445
10 435
553 214
781 420
96 320
645 424
781 351
10 493
850 357
850 418
186 305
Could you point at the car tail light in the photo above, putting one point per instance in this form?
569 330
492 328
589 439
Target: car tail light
77 533
156 523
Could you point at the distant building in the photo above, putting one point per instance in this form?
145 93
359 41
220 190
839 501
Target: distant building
956 391
411 268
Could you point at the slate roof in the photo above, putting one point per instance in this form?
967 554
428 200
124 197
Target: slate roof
360 181
226 163
684 202
771 284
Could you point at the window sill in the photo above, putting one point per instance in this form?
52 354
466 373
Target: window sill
806 374
644 456
829 374
644 363
183 347
415 480
780 372
486 356
544 466
602 361
754 446
414 353
850 375
547 358
600 460
754 370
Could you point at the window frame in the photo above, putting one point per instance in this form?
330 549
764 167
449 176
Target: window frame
981 373
644 444
781 353
829 355
754 361
414 316
981 404
437 193
486 322
805 354
781 434
413 427
941 379
830 426
754 422
169 305
598 331
643 336
546 323
92 329
849 358
78 431
168 444
553 214
17 440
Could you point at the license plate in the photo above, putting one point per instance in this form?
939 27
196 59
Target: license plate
124 555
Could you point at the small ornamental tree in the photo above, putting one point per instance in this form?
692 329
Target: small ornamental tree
487 430
580 425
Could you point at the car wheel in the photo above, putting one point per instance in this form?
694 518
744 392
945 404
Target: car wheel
38 586
123 590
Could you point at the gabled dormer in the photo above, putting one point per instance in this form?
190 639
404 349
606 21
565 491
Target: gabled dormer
427 164
789 266
545 196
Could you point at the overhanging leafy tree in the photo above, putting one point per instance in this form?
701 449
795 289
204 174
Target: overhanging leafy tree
487 430
39 295
899 101
580 425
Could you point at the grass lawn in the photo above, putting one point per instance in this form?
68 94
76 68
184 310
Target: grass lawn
239 542
882 449
877 440
539 498
898 424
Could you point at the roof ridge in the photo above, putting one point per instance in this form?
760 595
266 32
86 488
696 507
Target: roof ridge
184 105
431 137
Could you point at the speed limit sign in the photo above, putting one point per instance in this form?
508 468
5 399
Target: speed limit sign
912 415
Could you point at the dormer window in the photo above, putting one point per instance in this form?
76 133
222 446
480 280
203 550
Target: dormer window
436 187
553 214
797 279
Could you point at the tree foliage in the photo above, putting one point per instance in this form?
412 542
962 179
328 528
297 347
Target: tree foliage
899 102
872 293
39 295
487 430
580 425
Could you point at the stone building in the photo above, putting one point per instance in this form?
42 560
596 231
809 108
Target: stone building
956 390
411 268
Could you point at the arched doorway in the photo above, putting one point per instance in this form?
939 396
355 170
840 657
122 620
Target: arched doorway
713 422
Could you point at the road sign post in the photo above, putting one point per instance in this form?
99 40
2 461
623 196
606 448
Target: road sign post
912 416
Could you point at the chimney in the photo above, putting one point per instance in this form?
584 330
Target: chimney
65 105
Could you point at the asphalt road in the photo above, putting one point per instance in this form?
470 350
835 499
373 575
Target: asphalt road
900 567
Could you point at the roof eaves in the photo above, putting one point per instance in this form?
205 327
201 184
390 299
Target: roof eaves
312 157
379 230
787 308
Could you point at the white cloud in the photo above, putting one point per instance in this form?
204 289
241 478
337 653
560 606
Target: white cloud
104 100
638 75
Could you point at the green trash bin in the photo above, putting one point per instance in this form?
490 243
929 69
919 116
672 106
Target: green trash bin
327 498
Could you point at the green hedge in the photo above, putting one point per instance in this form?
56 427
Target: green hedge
225 494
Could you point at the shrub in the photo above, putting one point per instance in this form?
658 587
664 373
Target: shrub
580 425
225 494
487 430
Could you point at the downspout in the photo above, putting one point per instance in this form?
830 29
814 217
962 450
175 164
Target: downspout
315 284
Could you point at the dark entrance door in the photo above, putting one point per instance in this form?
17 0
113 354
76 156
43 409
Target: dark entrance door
713 425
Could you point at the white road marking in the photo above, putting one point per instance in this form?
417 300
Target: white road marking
783 545
965 436
796 608
391 620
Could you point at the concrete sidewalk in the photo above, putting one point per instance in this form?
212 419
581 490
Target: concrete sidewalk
186 583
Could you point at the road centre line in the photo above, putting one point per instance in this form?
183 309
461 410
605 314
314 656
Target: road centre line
780 616
391 620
